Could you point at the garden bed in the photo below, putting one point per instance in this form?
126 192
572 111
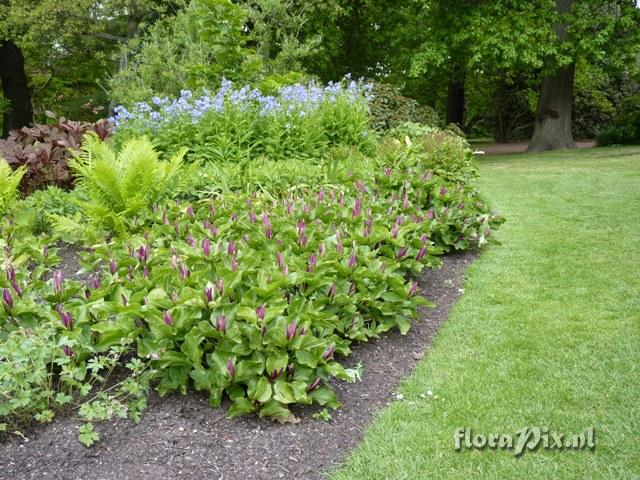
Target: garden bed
183 434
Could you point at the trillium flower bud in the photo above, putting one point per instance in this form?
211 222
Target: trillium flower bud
220 286
168 318
421 253
234 264
190 212
66 319
191 241
11 273
290 330
313 260
208 293
353 260
231 368
357 207
113 268
252 217
57 281
7 298
442 191
231 248
329 352
316 383
16 287
184 271
413 290
261 312
401 253
221 323
68 351
206 247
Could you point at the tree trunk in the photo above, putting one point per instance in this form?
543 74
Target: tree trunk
553 120
15 87
455 99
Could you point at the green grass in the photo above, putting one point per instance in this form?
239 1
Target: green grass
547 333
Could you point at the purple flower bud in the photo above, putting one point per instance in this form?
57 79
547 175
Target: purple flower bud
168 318
59 308
430 214
220 286
184 271
68 351
191 241
290 330
143 253
16 287
357 207
190 211
328 353
7 298
234 264
95 283
316 383
231 368
206 247
352 289
66 319
231 248
405 201
401 253
413 290
11 273
461 206
443 191
208 293
421 253
387 172
424 238
277 372
353 260
321 196
221 323
395 230
289 209
341 200
321 249
252 217
113 268
261 312
57 281
313 260
339 247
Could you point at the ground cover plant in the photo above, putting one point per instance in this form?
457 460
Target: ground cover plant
545 335
253 294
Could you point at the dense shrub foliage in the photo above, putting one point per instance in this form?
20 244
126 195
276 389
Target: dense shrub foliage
626 125
247 273
45 150
389 109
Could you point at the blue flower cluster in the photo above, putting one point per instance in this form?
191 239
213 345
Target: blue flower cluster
291 99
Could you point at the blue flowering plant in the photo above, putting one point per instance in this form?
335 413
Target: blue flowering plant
238 124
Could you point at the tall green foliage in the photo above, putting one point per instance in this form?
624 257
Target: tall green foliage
9 181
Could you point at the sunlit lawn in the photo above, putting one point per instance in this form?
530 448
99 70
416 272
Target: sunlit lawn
547 333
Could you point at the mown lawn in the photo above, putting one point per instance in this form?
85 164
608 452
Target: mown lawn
547 333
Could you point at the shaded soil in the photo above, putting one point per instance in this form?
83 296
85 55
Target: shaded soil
505 148
181 436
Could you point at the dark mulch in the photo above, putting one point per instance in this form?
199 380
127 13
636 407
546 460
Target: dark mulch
181 436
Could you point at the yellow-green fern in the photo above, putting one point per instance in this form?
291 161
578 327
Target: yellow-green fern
9 182
123 184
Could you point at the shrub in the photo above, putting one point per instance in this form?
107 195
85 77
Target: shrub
241 124
46 149
9 181
189 51
389 108
626 125
120 185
